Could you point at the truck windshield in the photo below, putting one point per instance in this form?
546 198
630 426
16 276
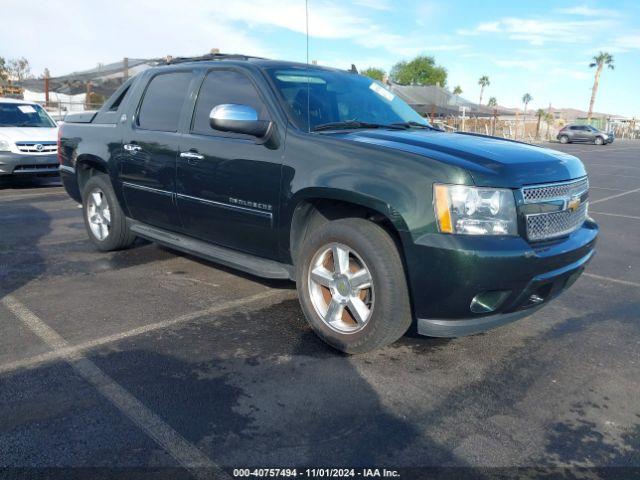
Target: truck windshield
17 115
323 98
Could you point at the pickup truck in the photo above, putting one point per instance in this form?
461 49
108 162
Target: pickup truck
325 177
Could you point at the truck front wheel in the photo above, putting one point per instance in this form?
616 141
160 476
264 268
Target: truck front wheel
104 219
352 286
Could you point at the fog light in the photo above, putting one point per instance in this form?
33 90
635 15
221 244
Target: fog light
486 302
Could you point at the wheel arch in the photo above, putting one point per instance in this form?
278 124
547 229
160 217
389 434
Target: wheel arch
318 206
88 165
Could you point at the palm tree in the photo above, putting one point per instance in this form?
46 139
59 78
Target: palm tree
457 90
483 82
526 98
540 114
599 61
493 102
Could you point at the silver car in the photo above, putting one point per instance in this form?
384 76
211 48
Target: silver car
584 133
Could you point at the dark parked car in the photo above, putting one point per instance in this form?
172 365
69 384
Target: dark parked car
584 133
326 178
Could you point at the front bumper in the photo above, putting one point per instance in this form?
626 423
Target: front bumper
446 272
19 164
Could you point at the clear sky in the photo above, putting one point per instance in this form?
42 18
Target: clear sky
538 47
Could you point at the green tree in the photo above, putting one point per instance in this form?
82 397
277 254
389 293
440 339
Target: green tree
483 82
374 73
493 102
422 70
457 90
599 61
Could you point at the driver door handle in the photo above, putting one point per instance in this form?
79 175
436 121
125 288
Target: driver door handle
131 147
191 156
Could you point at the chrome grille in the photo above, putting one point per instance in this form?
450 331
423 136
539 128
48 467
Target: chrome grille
555 191
544 226
566 218
37 147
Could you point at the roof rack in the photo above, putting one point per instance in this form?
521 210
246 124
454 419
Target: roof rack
207 57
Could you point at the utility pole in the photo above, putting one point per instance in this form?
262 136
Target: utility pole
464 111
87 99
125 68
46 87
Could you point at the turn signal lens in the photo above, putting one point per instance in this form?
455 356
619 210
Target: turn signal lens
443 209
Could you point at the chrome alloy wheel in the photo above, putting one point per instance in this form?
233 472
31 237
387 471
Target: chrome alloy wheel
98 214
341 288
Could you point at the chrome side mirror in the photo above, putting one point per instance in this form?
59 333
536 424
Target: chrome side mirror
231 117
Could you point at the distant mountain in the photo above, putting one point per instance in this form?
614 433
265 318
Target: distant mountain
568 114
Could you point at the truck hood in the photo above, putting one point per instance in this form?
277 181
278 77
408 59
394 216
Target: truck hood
491 162
28 134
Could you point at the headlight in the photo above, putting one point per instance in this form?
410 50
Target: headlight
4 146
475 211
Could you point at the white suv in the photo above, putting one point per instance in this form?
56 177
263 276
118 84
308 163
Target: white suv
28 139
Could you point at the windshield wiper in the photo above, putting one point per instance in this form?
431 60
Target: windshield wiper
352 125
413 124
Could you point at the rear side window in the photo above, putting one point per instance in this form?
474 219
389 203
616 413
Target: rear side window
225 86
118 101
163 100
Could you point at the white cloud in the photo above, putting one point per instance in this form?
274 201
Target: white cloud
516 63
375 4
621 44
584 11
489 27
537 31
106 32
563 73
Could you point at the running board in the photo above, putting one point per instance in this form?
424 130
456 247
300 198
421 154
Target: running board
261 267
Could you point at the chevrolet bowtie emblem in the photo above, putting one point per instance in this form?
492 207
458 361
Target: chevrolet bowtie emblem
573 203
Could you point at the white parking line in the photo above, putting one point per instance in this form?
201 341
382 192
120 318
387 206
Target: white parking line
615 215
606 188
184 452
614 280
61 353
611 197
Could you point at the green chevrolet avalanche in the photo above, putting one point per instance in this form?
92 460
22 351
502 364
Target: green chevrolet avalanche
326 178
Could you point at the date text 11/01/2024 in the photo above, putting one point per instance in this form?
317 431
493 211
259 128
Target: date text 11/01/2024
315 473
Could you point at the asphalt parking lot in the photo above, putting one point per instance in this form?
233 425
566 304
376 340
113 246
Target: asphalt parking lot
149 358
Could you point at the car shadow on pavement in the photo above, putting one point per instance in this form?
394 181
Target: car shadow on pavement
17 270
20 184
232 386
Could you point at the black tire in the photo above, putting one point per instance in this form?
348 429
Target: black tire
390 315
564 139
119 235
599 141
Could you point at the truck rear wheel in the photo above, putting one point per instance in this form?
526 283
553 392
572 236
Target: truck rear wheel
352 286
104 219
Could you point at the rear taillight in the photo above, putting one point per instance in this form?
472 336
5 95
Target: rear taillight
60 145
